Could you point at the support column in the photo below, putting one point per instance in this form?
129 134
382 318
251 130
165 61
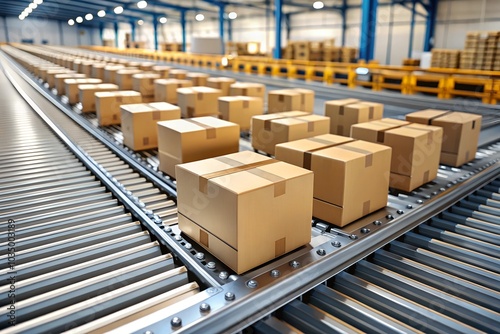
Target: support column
183 27
6 29
132 28
61 36
155 31
116 33
101 32
412 27
389 36
229 30
221 27
278 18
343 12
368 29
430 25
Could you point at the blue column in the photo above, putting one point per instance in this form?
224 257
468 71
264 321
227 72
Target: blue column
343 12
277 17
132 28
368 29
116 34
221 27
183 26
430 25
6 29
61 36
412 27
155 28
101 32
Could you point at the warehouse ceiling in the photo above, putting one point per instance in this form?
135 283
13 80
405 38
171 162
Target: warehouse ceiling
65 10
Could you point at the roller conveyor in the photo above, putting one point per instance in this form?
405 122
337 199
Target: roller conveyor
328 292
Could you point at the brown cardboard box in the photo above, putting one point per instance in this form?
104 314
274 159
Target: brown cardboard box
335 107
161 70
144 83
344 116
146 66
123 78
98 70
269 130
43 70
166 89
306 99
460 133
415 150
283 100
86 94
247 89
198 79
198 101
59 81
51 76
71 87
221 83
187 140
245 201
351 177
108 105
240 109
177 74
110 72
138 125
86 67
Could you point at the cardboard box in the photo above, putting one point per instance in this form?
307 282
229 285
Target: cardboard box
198 101
108 105
240 109
71 87
86 94
187 140
343 114
245 201
178 74
86 67
166 89
460 133
221 83
351 177
144 83
146 66
110 72
161 70
306 99
415 150
272 129
282 100
138 123
247 89
98 70
198 79
123 78
59 81
43 70
51 76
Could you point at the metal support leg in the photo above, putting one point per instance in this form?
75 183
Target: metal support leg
278 17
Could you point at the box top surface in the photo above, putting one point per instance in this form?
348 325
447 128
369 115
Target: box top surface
458 117
177 71
351 151
342 102
427 114
146 76
83 81
198 89
127 71
414 130
97 86
148 107
59 71
238 98
100 65
371 104
381 125
247 85
119 93
161 68
114 67
197 75
288 92
221 79
281 115
69 75
195 124
172 81
314 143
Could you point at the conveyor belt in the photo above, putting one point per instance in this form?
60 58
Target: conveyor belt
442 277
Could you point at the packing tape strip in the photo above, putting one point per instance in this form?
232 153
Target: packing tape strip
211 132
368 154
430 135
306 160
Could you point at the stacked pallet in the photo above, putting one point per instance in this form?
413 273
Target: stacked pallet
482 51
319 51
444 58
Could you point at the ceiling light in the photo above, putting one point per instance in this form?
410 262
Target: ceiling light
142 4
33 5
21 17
89 17
28 10
71 22
38 2
232 15
318 5
79 19
199 17
163 20
101 13
140 22
118 10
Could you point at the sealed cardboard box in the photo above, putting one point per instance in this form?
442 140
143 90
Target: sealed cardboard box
272 129
415 150
144 83
166 89
86 67
306 99
59 81
283 100
98 70
334 108
187 140
240 109
246 202
247 89
86 94
221 83
343 116
43 70
161 70
146 66
108 105
71 87
178 74
351 177
51 76
110 72
198 79
138 123
460 133
198 101
123 78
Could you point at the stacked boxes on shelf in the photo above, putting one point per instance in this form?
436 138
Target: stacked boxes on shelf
443 58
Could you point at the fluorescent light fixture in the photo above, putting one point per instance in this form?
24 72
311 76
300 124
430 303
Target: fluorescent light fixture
232 15
79 19
89 17
163 20
142 4
21 17
101 13
140 22
38 2
199 17
71 22
118 10
33 5
318 5
29 10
